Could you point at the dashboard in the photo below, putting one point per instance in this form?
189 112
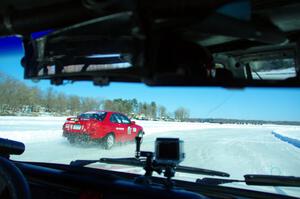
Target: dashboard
49 180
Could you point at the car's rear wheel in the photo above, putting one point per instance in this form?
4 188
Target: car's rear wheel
109 141
71 140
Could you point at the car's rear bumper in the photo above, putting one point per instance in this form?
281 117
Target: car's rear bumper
78 136
80 133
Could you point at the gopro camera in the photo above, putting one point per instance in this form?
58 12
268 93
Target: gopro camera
169 151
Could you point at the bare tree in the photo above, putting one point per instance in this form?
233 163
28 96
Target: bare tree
181 114
162 112
153 110
89 103
49 100
74 104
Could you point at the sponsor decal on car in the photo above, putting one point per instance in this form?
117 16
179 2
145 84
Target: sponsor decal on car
129 130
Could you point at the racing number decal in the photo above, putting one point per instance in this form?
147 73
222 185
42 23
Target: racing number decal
129 130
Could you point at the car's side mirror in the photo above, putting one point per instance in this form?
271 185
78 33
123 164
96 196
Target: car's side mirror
133 122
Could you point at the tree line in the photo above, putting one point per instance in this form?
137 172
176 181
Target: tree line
242 121
16 98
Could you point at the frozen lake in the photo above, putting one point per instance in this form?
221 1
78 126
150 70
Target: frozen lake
235 149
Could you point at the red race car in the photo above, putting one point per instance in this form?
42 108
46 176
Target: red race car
107 127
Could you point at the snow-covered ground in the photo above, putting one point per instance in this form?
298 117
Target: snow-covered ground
236 149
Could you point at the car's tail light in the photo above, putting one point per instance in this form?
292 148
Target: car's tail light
75 119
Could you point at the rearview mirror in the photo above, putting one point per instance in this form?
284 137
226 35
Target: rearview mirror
133 122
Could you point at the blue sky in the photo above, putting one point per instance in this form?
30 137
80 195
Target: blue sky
204 102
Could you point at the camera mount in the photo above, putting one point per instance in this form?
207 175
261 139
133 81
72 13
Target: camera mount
160 161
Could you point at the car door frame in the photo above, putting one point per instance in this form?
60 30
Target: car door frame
117 127
128 131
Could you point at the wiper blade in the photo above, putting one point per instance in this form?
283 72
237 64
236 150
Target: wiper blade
193 170
82 163
123 161
258 180
216 181
183 169
140 163
272 180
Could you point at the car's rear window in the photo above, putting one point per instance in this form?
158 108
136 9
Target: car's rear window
99 116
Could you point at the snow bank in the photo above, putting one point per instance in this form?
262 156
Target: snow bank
153 127
294 142
45 128
288 131
25 120
31 129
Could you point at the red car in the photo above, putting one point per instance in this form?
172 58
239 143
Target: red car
105 126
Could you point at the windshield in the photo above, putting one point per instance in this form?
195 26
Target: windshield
91 115
243 131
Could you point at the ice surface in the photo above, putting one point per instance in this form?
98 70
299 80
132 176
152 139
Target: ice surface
236 149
